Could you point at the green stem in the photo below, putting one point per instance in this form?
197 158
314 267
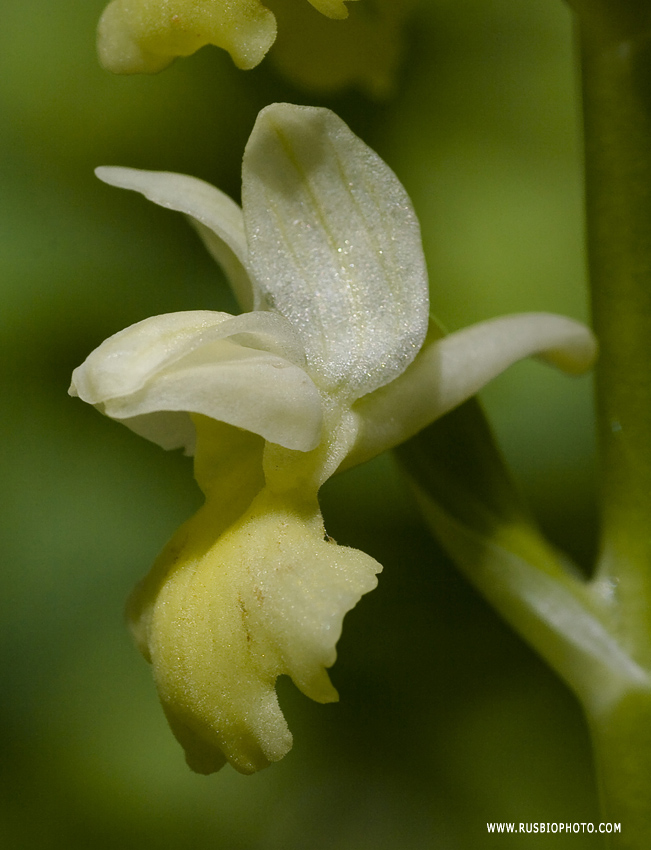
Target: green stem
621 739
617 117
596 634
616 74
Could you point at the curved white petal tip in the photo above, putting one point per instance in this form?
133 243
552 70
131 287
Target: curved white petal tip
217 217
451 369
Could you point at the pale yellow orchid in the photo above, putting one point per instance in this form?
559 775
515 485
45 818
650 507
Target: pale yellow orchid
314 49
330 364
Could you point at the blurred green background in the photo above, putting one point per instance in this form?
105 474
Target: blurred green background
447 720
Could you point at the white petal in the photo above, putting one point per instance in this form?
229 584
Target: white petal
124 362
217 217
172 429
450 370
234 369
334 246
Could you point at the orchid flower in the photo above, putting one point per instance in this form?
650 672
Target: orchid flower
330 363
136 36
313 50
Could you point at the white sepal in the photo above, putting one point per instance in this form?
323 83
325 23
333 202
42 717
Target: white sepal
334 245
217 218
451 369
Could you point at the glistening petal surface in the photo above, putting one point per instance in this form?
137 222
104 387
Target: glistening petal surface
335 246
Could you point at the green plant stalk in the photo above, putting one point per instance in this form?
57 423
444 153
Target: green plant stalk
596 634
617 119
616 81
621 739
